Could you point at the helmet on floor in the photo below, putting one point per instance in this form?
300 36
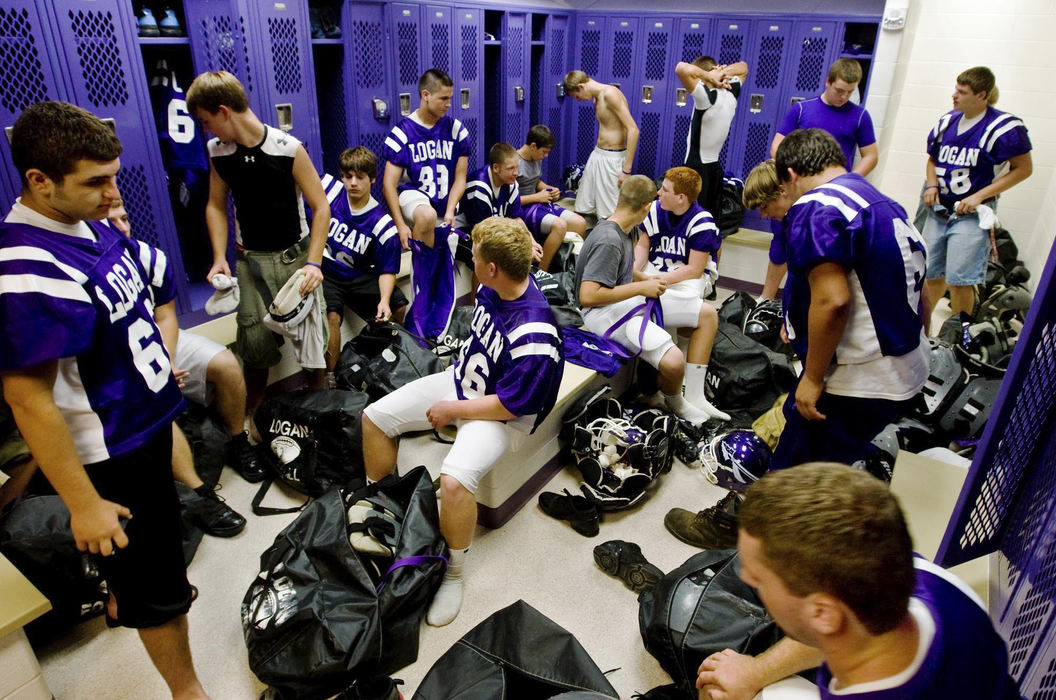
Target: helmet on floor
735 460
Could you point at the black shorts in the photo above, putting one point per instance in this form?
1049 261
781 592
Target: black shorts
464 250
361 294
711 176
149 576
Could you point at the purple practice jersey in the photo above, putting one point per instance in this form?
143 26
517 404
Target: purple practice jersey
428 156
850 124
671 238
482 200
966 163
362 242
965 658
849 222
515 352
90 305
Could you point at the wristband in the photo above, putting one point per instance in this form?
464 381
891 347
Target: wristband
931 187
625 172
313 264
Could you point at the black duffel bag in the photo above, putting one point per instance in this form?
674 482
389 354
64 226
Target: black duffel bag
517 654
700 608
321 615
312 441
745 376
384 357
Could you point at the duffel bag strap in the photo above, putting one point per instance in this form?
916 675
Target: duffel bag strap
258 498
411 561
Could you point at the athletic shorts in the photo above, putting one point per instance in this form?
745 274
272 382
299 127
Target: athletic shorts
194 353
148 577
598 188
361 294
539 218
478 444
411 200
255 343
958 249
654 343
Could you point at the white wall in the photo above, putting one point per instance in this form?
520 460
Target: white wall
1015 39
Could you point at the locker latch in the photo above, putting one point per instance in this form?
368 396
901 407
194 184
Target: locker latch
756 104
464 96
560 90
647 94
680 97
284 116
518 93
405 104
381 108
797 99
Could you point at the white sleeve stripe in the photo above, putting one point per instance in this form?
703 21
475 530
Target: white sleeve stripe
28 252
1000 132
387 235
456 126
525 329
477 194
56 288
991 126
830 201
161 263
383 222
398 133
536 349
327 179
463 135
393 145
477 183
854 196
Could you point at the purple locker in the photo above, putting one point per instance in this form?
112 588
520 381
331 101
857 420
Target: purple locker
622 65
405 33
654 93
217 32
555 108
437 40
587 57
365 52
812 44
730 45
99 54
692 39
516 77
468 104
770 41
285 55
27 76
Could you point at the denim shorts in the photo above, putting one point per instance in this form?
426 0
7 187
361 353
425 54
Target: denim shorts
958 249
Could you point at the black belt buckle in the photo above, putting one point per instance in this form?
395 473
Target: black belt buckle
291 254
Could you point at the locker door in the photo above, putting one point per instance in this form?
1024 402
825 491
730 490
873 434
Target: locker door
812 44
622 65
365 52
555 108
692 39
99 54
217 32
654 95
587 49
27 76
437 42
730 45
287 66
404 30
771 41
468 103
516 77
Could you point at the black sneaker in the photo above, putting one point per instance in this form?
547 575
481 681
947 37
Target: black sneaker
213 515
245 459
625 561
711 528
580 512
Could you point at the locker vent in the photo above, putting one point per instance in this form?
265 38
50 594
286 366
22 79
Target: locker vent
407 35
1047 687
622 54
647 145
21 73
692 46
769 73
101 66
514 131
556 47
285 55
585 134
441 38
469 52
724 157
132 181
678 139
221 42
731 49
370 70
471 127
756 145
656 56
515 55
590 49
1028 624
375 142
811 64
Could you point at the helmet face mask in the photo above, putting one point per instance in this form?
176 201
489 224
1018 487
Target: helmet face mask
736 459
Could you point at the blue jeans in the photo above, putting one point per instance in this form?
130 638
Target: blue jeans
957 249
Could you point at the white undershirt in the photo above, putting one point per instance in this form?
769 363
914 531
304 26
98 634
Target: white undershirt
21 214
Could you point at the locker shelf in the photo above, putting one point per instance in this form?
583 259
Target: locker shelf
164 41
328 42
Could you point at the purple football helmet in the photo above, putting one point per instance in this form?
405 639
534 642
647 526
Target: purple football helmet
736 459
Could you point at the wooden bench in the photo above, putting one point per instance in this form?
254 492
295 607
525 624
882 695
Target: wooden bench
21 603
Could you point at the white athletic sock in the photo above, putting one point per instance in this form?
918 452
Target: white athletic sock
693 390
448 599
684 409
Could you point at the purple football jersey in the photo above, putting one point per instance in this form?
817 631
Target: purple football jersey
965 659
359 243
515 352
428 156
671 238
850 124
90 305
966 163
849 222
482 200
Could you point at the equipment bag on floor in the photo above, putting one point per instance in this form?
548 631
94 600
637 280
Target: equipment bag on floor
698 609
517 654
312 441
382 358
745 375
323 612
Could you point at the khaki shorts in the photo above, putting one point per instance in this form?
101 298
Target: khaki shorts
13 449
255 343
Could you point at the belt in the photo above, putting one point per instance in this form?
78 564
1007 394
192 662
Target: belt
945 214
